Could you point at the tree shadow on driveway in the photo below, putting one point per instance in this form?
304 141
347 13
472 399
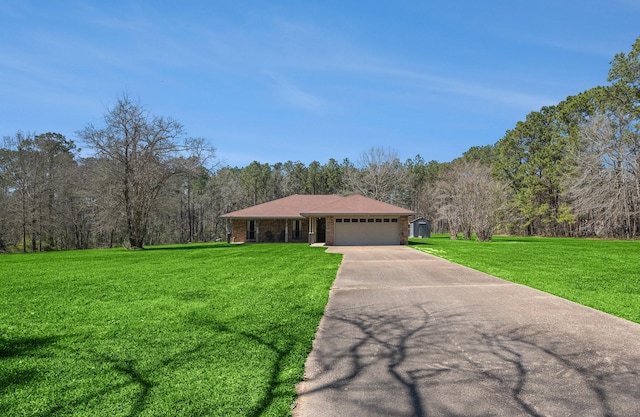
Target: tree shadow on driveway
410 361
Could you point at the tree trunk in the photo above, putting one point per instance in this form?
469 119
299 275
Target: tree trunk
484 235
136 242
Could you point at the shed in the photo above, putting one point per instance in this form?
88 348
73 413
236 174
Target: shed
420 227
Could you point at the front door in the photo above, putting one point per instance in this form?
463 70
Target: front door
321 232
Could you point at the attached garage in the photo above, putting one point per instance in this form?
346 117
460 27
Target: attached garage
366 231
356 220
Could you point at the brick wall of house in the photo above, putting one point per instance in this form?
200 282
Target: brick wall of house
330 231
273 230
269 230
403 222
238 230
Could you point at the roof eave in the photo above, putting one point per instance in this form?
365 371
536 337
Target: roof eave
248 217
357 214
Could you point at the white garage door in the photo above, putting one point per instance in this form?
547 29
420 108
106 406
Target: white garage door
378 231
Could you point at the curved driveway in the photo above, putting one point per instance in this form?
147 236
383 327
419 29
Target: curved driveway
409 334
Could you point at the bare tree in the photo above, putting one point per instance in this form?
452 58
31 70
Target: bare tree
421 179
25 171
470 199
450 192
605 188
6 226
380 175
141 152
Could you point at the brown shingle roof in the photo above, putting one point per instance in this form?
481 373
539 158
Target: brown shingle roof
356 204
299 206
283 208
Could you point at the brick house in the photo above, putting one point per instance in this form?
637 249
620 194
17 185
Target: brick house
332 219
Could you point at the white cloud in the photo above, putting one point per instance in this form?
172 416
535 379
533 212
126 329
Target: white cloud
461 87
296 97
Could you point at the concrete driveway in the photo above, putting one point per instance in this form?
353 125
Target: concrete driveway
409 334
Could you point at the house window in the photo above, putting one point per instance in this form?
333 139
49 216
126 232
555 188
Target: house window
394 220
251 230
347 220
338 220
378 220
296 230
369 220
386 220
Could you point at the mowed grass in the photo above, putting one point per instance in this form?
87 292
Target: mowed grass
197 330
603 274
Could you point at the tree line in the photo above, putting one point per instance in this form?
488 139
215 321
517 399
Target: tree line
572 169
146 184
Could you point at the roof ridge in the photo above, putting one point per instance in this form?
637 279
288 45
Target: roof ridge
337 197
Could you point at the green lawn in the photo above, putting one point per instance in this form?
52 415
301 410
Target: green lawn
211 329
224 330
603 274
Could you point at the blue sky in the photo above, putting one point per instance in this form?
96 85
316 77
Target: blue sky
307 80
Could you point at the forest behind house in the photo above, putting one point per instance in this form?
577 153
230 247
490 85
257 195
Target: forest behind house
572 169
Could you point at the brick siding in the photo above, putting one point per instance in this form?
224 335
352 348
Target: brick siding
330 230
269 230
273 230
403 221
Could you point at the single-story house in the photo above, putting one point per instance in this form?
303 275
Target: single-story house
332 219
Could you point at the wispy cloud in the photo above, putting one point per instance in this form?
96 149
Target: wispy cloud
425 81
294 96
281 48
285 47
598 47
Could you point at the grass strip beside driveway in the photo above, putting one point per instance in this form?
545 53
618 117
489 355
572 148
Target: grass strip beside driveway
602 274
211 329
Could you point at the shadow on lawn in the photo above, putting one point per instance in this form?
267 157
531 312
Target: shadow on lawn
192 246
496 240
135 378
128 368
16 348
14 377
420 243
275 379
23 346
442 364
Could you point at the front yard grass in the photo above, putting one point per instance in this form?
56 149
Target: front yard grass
603 274
211 329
